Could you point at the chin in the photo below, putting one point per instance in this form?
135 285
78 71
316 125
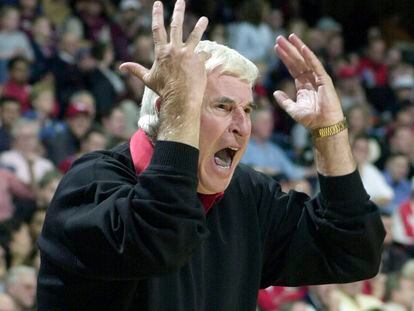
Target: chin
212 186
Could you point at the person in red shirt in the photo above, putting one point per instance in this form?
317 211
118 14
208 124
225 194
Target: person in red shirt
17 86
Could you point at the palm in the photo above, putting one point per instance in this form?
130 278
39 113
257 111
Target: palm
317 103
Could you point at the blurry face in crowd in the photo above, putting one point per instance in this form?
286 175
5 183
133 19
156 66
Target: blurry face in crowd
115 123
42 28
224 130
46 193
336 47
24 290
28 4
398 167
37 223
377 51
7 303
44 102
95 141
405 294
9 113
10 21
88 100
402 140
143 49
26 140
262 126
21 243
80 124
357 120
360 150
70 43
404 117
19 73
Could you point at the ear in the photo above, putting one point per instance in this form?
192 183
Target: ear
158 103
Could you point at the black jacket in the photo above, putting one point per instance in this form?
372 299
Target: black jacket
116 241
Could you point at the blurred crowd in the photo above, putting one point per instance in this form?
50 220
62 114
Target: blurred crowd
62 95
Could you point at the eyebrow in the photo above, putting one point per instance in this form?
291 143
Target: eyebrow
228 100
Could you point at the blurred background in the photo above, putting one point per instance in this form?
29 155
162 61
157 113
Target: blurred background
62 95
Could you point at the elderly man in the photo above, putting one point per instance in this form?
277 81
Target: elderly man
170 221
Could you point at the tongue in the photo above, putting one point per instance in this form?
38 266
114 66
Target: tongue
222 158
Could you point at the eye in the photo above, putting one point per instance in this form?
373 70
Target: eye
248 110
222 107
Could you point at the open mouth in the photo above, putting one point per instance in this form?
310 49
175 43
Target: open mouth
224 157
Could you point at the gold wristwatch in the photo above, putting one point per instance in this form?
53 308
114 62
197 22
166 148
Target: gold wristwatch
330 130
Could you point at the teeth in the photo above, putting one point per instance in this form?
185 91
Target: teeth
234 148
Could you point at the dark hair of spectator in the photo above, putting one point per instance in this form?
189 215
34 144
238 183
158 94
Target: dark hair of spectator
92 131
8 100
7 229
6 9
16 60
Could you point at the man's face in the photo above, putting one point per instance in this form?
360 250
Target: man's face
9 113
24 290
80 124
225 130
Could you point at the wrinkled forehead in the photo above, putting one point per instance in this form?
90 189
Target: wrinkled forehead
222 84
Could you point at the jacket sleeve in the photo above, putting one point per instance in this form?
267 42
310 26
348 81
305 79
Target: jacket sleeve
335 237
107 223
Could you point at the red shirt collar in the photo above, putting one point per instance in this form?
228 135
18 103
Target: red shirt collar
141 152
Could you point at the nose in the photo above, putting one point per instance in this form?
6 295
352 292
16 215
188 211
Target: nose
240 123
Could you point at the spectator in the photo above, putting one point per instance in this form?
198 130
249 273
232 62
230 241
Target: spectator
403 224
78 119
17 85
265 156
13 42
394 254
44 48
9 114
396 175
67 76
142 50
114 127
21 286
11 187
252 37
93 140
25 156
350 90
16 241
29 10
105 85
399 293
47 187
7 303
374 182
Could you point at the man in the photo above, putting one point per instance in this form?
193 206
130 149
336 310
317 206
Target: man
79 120
124 235
21 286
7 303
9 114
264 155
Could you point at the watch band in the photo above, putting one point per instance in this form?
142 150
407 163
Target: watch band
330 130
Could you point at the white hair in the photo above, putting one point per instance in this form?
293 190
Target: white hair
22 123
14 274
229 61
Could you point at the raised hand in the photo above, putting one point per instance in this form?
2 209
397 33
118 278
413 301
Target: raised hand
317 104
177 75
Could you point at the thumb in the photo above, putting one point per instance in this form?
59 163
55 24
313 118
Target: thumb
136 69
283 100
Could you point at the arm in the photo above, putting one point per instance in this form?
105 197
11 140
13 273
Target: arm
335 237
107 223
